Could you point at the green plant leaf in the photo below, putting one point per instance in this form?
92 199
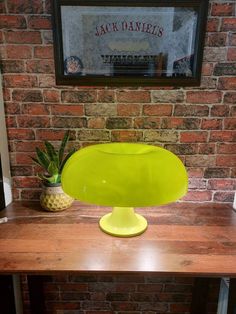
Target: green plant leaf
53 168
72 151
42 158
36 161
53 155
63 145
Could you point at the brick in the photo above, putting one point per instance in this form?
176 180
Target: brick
78 96
227 197
117 296
157 110
230 123
26 182
211 124
35 109
13 21
213 24
28 146
33 121
67 110
195 172
2 7
228 24
47 80
12 66
40 66
51 95
48 7
193 137
94 135
147 123
221 184
170 96
214 172
206 148
133 96
230 97
52 135
101 109
200 161
96 123
106 96
182 149
146 288
179 308
225 69
126 136
180 123
232 39
198 196
21 171
226 148
223 136
31 194
231 55
11 122
233 172
215 54
23 37
227 83
160 136
24 81
19 51
129 109
39 22
25 6
219 111
226 160
118 123
191 110
233 111
27 95
217 39
208 97
12 108
207 68
208 82
71 122
222 9
20 134
43 52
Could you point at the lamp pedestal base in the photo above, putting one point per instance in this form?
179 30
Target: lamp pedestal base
123 222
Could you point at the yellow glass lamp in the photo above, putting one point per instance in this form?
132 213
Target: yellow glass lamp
124 176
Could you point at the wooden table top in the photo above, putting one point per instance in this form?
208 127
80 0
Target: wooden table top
181 239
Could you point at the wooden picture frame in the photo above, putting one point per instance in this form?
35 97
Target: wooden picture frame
129 43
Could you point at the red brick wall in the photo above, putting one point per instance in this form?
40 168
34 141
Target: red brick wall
120 294
198 124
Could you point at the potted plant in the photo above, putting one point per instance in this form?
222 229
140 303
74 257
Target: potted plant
52 162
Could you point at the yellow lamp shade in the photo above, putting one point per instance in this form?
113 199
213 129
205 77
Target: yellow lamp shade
124 175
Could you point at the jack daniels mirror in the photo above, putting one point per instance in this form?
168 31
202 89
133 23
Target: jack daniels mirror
129 43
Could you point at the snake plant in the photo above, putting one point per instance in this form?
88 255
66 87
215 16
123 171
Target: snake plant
52 161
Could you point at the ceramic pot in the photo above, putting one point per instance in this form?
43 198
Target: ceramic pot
54 199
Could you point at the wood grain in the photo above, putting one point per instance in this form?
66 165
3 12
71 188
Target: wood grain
181 239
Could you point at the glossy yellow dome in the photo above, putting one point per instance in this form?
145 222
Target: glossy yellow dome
124 174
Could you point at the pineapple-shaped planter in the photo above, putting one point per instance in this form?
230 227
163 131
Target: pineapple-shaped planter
52 161
54 199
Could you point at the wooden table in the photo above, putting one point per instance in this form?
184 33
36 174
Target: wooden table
182 239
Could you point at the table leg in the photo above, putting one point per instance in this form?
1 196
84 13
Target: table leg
36 294
232 297
200 294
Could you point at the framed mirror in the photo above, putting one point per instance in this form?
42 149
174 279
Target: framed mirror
129 43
